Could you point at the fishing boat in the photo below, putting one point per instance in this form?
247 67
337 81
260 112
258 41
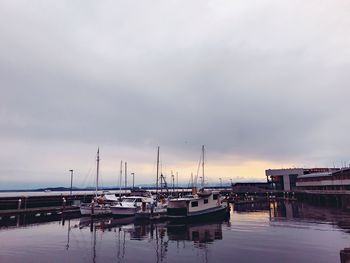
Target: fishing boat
198 205
99 204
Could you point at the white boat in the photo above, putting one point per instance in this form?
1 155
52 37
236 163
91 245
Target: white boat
94 209
99 205
130 205
198 205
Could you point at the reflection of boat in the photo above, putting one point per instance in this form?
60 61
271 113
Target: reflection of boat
201 233
104 223
201 204
98 206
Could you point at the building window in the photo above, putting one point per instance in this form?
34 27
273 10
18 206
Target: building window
205 201
215 197
194 204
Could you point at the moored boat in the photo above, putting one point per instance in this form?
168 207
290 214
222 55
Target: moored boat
98 205
130 205
200 204
196 206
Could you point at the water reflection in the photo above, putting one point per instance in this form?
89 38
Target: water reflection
273 231
23 220
159 234
296 211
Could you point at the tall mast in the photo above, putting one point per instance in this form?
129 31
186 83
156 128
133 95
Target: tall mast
120 179
97 168
125 171
203 165
157 170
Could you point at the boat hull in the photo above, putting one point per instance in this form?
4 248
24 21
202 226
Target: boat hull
198 215
87 210
148 215
123 211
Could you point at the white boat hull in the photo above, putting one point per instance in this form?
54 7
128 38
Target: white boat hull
124 211
97 210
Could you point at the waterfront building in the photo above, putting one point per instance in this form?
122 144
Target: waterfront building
286 179
332 180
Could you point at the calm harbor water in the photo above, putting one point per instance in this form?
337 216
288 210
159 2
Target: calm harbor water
275 232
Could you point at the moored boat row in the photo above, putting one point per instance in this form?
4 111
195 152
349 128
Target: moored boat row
144 206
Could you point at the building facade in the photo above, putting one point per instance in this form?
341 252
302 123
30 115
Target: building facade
288 179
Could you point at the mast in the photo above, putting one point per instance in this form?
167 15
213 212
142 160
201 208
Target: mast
125 171
97 168
203 166
120 179
157 170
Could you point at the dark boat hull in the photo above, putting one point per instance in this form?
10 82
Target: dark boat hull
217 212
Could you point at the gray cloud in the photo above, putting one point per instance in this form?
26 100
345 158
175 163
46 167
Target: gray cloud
259 81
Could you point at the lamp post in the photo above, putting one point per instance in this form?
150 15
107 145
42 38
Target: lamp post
231 181
133 180
71 180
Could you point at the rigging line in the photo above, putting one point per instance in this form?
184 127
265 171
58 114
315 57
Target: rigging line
198 168
89 174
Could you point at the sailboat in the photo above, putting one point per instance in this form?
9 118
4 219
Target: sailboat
154 210
200 204
98 205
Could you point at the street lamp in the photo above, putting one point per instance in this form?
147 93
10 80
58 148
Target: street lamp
71 180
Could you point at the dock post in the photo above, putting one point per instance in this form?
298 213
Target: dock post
19 203
64 203
92 207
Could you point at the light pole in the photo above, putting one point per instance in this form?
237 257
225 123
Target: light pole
231 181
133 180
71 180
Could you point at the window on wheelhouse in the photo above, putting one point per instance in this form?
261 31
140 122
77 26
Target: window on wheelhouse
205 201
194 203
215 197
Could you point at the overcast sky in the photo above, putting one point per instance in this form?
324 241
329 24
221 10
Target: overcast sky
262 84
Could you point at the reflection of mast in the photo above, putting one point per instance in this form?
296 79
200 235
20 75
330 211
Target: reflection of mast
68 234
93 228
161 245
121 247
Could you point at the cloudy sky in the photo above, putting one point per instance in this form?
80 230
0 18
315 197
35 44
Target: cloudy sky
262 84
